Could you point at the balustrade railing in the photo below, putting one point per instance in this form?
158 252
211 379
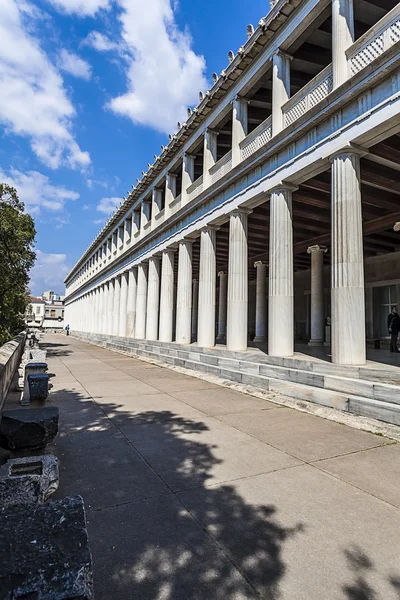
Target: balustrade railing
195 189
384 34
256 139
221 168
311 94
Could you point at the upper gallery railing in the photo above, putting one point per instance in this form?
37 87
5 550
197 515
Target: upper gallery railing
222 167
384 34
256 139
311 94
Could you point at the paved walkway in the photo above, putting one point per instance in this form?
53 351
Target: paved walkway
194 491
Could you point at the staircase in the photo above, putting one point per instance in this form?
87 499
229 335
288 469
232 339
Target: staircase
371 391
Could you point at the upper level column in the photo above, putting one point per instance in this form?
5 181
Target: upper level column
239 127
170 192
280 88
207 288
210 155
153 298
347 295
342 38
280 289
238 285
141 302
187 175
184 293
167 296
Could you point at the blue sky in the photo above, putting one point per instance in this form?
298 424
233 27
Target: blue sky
89 90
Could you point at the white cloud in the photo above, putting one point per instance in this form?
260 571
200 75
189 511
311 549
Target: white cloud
33 101
36 191
108 205
164 75
82 8
100 42
74 65
48 272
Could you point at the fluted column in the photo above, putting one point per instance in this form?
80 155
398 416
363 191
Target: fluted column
102 305
184 293
110 310
347 300
280 88
141 302
167 296
97 310
187 176
131 302
222 307
317 295
239 127
280 291
210 155
236 335
261 301
123 305
195 308
117 302
342 38
207 288
153 298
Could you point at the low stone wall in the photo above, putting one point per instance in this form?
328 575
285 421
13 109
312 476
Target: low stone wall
10 358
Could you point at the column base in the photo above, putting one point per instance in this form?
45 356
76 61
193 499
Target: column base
316 343
220 339
260 338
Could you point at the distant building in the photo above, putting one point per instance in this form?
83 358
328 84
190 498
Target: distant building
35 312
46 311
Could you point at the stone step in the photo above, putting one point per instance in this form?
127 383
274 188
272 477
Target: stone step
361 397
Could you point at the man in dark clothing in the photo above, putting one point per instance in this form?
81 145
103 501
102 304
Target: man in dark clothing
394 328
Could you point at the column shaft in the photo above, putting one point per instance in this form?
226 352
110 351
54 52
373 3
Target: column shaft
141 302
342 38
280 88
110 307
317 295
237 316
348 303
117 302
239 127
184 293
195 308
167 296
210 155
123 305
131 302
222 307
153 299
207 288
280 303
187 175
261 302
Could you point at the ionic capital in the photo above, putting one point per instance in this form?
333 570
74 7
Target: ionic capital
396 226
348 150
316 248
284 187
221 273
260 263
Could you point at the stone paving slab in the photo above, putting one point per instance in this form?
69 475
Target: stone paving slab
251 521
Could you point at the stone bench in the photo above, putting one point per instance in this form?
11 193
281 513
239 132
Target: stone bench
38 384
28 480
28 428
45 551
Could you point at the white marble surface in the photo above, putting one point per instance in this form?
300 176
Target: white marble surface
153 299
167 296
131 302
207 288
184 293
141 302
237 317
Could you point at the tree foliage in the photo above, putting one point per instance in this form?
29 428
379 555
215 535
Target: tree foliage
17 236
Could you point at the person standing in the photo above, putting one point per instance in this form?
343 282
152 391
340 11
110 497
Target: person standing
67 329
394 328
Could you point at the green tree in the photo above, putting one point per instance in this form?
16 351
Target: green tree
17 236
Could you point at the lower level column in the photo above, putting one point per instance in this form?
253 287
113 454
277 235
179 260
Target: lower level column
317 295
153 299
131 302
280 290
261 302
207 288
348 344
222 307
167 296
141 302
116 308
123 305
184 293
110 309
237 318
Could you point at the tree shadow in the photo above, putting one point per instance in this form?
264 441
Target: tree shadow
157 529
361 565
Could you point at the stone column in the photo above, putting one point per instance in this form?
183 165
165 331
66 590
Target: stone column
123 305
153 298
207 288
317 295
280 289
117 302
347 300
195 308
210 155
131 302
167 296
102 301
141 302
237 317
222 307
170 192
110 320
239 127
261 302
184 293
280 88
187 175
342 38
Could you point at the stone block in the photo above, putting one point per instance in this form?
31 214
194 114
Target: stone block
29 428
45 551
37 355
31 368
38 384
28 480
